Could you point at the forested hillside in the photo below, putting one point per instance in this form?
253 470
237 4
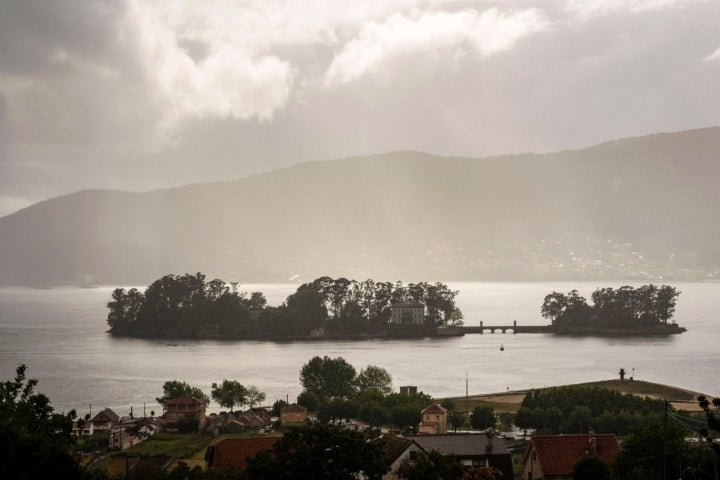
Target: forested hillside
639 208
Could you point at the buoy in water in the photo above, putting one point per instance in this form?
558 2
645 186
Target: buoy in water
502 348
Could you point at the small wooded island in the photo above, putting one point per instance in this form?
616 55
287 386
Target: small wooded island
644 310
188 306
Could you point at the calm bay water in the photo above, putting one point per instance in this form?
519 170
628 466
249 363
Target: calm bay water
60 334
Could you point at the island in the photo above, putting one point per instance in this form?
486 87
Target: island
189 306
646 310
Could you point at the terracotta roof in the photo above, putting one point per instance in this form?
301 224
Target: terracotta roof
435 408
460 444
235 451
558 454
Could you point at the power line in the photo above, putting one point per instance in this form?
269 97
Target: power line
692 424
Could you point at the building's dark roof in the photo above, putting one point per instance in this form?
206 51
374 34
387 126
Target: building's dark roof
558 454
185 400
294 407
235 451
461 444
392 446
105 416
435 408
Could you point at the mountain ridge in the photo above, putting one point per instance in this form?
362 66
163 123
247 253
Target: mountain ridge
637 208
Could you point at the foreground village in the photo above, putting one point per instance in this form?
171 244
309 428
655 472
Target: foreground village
349 425
484 452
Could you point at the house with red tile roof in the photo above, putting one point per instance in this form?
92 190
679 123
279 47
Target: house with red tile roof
471 449
234 452
555 456
433 420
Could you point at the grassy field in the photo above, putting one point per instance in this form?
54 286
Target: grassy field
178 445
510 401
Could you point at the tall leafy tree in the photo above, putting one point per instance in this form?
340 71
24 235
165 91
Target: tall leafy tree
374 378
405 415
318 451
656 449
254 396
433 466
125 308
257 301
713 425
482 417
305 310
457 419
553 306
328 377
230 393
591 468
35 441
665 301
176 388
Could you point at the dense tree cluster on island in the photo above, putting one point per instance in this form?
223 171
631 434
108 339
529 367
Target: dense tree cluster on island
625 308
188 306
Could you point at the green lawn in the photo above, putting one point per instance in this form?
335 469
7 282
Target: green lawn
178 445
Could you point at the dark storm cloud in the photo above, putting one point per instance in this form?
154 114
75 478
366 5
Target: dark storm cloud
35 34
140 95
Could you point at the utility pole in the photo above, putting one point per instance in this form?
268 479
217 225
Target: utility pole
665 442
467 410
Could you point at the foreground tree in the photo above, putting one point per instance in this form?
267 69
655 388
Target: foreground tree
176 388
230 393
374 378
328 377
483 473
483 417
433 466
456 419
254 396
591 468
318 451
657 449
35 442
713 427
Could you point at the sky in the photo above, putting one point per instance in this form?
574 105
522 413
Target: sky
139 95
